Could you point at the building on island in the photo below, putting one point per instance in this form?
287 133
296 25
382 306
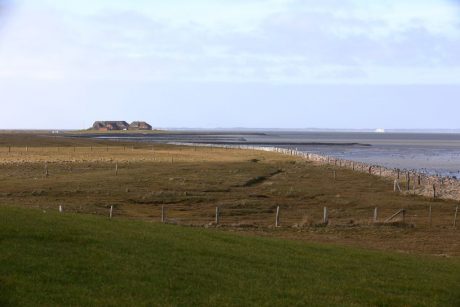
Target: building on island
140 126
110 125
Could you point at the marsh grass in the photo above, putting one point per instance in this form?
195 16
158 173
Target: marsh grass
246 185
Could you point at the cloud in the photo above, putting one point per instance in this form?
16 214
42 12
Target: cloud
287 41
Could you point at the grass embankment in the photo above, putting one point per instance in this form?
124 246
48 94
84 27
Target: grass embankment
70 259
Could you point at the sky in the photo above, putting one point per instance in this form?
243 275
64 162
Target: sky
222 64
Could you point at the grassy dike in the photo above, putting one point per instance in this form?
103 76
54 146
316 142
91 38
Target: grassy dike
81 260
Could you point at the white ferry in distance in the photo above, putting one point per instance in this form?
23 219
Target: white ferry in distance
380 130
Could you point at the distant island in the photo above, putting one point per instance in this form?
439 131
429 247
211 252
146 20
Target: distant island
120 126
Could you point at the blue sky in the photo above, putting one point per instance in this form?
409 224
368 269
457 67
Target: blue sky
242 63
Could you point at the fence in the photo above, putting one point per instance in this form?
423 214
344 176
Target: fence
291 216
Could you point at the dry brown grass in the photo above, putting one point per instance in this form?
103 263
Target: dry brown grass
247 186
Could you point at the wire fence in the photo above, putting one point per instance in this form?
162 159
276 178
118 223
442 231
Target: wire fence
430 216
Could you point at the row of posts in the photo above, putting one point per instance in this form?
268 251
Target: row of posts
401 213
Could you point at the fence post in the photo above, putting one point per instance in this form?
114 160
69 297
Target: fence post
408 181
60 209
46 170
395 184
116 169
434 191
111 212
430 218
325 216
217 215
277 219
376 215
455 217
163 217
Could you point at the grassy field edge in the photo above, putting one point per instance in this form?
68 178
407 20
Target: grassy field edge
55 259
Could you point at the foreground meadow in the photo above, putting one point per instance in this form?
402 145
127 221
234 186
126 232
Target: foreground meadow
52 259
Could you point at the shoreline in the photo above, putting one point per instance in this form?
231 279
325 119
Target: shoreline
432 155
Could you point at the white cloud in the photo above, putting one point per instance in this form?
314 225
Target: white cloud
276 41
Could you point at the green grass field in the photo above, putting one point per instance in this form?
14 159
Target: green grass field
81 260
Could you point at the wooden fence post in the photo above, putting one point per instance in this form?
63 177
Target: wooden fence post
217 215
402 211
116 169
376 215
430 217
111 212
455 217
434 191
277 219
60 209
325 216
163 216
408 181
395 185
46 170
